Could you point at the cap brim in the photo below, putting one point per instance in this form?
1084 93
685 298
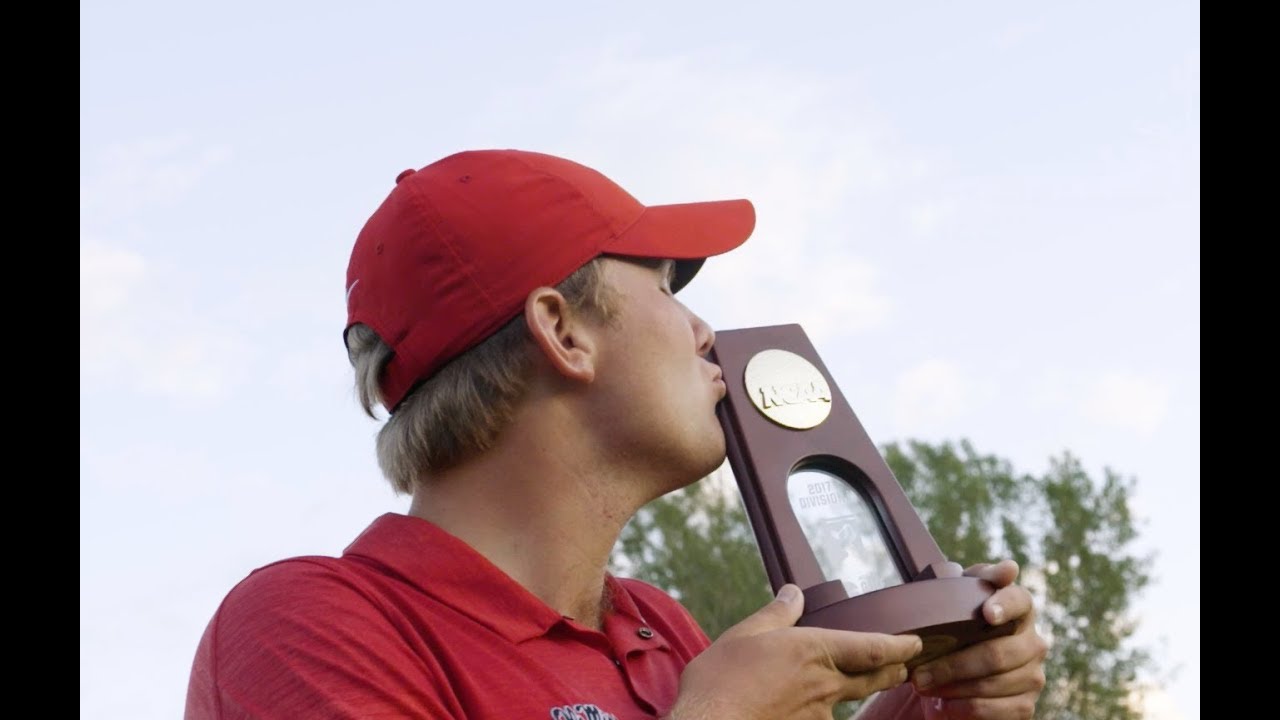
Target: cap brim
688 233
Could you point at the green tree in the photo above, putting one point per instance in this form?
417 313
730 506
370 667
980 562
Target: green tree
1090 579
1072 537
974 505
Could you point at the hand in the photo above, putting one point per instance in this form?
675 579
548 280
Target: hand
763 668
999 679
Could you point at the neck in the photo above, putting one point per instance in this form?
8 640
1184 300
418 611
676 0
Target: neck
541 506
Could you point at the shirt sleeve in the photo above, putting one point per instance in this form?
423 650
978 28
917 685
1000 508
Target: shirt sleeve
297 639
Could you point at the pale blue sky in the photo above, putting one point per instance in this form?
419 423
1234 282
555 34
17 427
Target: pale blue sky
987 216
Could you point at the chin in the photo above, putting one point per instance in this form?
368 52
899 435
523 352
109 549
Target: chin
710 459
700 465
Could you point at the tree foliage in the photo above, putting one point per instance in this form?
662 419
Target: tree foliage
1072 536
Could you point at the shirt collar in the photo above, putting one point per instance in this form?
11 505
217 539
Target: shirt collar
444 567
620 600
451 571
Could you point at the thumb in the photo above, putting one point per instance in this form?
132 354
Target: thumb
782 612
1000 574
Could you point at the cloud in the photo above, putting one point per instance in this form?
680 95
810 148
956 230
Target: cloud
136 330
928 218
131 177
1116 399
837 295
108 277
1127 401
133 336
930 394
811 153
1017 33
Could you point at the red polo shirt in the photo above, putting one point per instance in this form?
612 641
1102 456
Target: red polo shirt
411 622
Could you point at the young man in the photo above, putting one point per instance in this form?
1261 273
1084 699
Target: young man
515 313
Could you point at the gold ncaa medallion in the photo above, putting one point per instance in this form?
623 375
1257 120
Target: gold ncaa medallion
788 389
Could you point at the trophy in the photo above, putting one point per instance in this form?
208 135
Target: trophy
827 513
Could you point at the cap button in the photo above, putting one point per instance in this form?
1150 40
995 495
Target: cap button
404 175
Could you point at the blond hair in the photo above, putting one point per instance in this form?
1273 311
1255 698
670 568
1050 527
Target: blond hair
460 410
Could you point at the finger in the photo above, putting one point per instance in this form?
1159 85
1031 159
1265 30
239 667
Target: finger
782 612
1000 574
860 685
858 652
1008 604
992 657
1026 679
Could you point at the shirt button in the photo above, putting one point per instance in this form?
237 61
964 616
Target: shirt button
645 633
617 662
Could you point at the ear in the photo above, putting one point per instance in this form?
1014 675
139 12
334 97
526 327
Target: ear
564 337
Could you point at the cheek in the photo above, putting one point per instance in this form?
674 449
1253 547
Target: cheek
674 331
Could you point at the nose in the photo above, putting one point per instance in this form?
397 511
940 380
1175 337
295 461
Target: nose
703 335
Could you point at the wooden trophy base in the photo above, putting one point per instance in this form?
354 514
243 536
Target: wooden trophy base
945 612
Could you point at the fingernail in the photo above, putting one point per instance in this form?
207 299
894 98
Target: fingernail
923 680
789 593
997 612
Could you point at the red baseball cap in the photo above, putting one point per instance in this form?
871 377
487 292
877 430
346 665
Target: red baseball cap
452 253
